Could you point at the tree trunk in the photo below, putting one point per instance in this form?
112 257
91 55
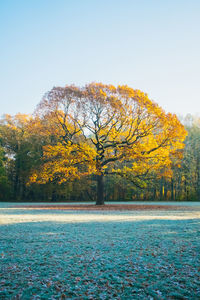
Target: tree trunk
198 178
172 189
161 189
17 182
100 190
53 196
154 193
165 190
186 190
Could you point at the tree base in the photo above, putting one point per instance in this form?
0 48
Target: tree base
100 203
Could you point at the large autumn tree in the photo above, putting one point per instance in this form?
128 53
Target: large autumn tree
101 129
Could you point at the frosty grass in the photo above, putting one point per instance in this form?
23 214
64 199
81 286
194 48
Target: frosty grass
55 254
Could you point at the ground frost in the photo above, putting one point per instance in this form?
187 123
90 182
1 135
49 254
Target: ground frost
114 255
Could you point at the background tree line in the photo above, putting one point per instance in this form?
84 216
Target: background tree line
21 148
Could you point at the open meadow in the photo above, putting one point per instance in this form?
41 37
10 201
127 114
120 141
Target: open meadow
68 254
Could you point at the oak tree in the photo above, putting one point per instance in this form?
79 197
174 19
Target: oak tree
101 129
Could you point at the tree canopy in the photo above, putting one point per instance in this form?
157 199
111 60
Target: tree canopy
101 129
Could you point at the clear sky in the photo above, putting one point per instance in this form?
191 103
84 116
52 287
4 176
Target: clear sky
152 45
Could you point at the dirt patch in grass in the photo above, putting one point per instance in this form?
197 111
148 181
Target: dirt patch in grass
106 207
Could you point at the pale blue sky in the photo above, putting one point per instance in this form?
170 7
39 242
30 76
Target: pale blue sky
152 45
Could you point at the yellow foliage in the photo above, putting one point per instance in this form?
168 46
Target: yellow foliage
100 125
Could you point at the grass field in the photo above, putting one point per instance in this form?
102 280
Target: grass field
58 254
